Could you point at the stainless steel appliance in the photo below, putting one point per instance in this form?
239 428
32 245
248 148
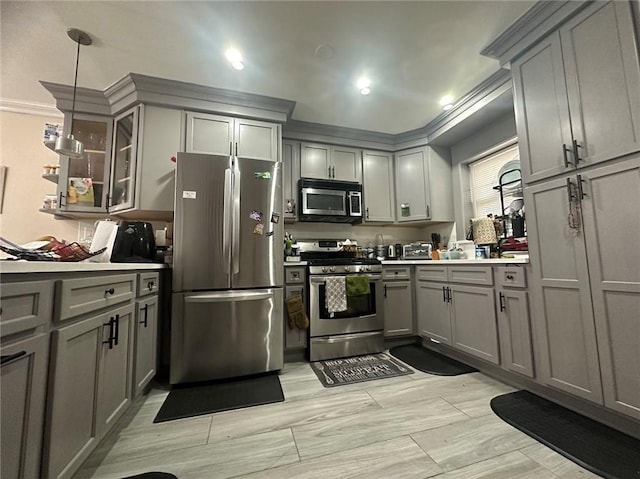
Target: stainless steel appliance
329 201
417 251
359 329
227 268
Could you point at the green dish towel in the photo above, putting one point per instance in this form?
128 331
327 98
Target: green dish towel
358 285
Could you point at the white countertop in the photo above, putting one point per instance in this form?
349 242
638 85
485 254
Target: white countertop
294 263
71 267
456 261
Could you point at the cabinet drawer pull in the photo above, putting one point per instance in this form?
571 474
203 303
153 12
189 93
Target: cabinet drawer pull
502 305
116 322
509 276
110 340
150 285
110 291
145 308
10 357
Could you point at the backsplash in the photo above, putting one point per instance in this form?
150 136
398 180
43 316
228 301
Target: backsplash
365 234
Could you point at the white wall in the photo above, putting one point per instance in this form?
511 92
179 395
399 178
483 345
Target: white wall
23 153
499 131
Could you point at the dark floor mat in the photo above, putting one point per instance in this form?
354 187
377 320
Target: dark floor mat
220 396
152 475
594 446
429 361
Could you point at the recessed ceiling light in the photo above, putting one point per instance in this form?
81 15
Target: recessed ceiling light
324 52
446 102
235 57
365 91
448 106
363 82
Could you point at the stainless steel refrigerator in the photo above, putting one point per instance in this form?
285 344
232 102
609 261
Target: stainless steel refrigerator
227 313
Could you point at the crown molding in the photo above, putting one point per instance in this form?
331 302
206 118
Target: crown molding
29 108
542 18
336 135
87 99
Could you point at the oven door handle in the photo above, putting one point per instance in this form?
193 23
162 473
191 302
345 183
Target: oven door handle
346 337
318 279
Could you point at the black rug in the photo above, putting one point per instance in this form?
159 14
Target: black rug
338 372
594 446
152 475
220 396
429 361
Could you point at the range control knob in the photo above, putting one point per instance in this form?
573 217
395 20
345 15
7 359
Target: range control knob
367 268
332 269
324 269
347 269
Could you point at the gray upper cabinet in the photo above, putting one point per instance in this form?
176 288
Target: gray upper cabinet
291 174
577 93
614 271
330 162
424 188
220 135
124 160
563 321
160 138
378 186
74 192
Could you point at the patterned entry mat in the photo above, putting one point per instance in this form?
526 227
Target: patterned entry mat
338 372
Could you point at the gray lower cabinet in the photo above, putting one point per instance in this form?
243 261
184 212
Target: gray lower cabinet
432 311
398 308
294 338
473 321
23 376
146 340
90 387
515 331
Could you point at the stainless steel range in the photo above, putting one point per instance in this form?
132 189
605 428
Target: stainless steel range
359 328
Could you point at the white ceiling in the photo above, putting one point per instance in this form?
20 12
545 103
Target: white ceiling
414 52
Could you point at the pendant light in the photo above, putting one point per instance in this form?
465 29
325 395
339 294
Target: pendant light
68 145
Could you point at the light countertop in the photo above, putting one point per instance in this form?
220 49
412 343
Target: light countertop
486 262
294 263
72 267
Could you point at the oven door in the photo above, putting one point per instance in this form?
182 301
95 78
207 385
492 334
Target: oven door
318 201
364 313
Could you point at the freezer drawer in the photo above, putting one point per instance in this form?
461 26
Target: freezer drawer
224 334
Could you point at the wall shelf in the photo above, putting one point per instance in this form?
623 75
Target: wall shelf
53 178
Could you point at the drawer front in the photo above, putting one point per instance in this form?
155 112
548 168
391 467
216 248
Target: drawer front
293 275
471 275
432 273
390 272
148 283
24 306
83 295
511 276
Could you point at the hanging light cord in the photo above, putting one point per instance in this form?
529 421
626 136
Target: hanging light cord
75 83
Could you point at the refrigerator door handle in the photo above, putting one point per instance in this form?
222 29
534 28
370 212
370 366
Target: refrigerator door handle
235 245
226 226
229 296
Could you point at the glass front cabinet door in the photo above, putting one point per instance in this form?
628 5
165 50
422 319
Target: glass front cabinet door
83 182
124 161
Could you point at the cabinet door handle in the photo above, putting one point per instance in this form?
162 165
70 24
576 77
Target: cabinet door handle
576 157
428 212
60 200
367 212
110 340
236 148
231 148
449 296
581 194
569 191
333 169
109 291
444 295
7 358
565 150
329 174
116 322
145 308
502 306
385 290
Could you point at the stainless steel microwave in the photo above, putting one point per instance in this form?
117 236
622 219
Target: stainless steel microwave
329 201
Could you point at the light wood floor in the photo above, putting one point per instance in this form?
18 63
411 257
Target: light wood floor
414 426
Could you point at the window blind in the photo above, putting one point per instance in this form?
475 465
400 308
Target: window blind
483 176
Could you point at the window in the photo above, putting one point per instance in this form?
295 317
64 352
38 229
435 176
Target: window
484 175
